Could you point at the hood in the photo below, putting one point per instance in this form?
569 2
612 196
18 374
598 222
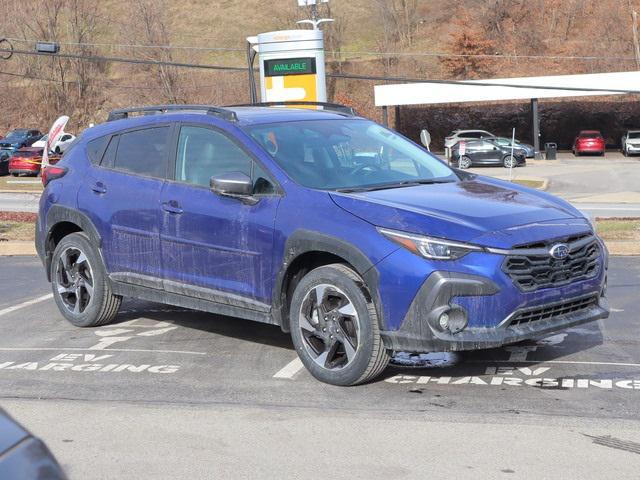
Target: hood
485 211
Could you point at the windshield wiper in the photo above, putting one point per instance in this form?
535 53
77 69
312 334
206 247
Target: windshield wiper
386 186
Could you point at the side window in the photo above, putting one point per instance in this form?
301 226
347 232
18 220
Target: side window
472 135
261 183
143 152
95 149
109 156
204 153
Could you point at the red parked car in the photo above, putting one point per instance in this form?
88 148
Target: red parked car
28 161
589 141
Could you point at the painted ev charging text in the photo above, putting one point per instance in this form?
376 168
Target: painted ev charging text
113 334
77 362
519 376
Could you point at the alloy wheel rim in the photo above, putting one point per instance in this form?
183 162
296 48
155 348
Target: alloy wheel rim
74 280
328 322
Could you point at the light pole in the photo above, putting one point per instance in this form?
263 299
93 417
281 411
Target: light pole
315 21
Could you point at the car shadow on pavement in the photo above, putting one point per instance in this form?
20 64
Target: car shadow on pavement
221 325
560 346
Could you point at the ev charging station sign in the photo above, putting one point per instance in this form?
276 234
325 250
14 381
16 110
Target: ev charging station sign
291 65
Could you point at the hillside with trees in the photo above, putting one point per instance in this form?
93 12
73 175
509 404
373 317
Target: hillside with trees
434 39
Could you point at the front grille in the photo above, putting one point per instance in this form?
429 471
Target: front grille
550 311
535 268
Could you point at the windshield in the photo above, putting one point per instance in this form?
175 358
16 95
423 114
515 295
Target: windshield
15 136
348 154
634 135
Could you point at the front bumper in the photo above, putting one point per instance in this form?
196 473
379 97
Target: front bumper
420 331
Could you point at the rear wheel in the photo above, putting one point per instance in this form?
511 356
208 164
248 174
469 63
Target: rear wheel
334 327
80 285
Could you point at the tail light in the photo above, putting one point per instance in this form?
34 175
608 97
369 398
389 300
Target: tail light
52 172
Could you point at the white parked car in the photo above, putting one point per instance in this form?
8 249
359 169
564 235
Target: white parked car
60 146
630 142
458 135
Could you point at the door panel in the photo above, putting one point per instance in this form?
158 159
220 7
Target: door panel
125 206
215 244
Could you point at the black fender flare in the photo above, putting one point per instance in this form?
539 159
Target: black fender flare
58 214
305 241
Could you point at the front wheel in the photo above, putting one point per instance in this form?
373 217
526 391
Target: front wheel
464 162
80 285
509 161
334 327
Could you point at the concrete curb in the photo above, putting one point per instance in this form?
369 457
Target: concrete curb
22 191
15 247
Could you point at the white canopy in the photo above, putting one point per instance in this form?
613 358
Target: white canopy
432 93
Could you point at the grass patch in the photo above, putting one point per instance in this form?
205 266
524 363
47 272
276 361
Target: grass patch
11 230
529 183
6 183
619 229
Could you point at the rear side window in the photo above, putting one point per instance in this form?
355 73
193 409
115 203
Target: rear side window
471 134
143 152
95 149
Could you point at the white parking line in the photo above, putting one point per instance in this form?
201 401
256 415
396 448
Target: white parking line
4 311
568 362
290 369
56 349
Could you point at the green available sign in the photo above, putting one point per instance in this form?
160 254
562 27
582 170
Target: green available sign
289 66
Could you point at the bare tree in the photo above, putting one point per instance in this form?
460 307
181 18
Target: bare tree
399 20
151 16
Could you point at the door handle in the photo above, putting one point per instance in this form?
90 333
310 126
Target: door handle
99 188
172 207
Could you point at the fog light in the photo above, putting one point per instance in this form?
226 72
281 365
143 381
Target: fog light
453 320
444 321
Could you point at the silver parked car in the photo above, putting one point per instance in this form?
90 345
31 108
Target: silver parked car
530 152
630 143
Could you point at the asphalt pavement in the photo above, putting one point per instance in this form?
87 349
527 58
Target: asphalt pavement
166 392
19 202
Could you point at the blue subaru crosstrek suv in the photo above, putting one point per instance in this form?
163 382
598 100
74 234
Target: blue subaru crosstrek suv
344 233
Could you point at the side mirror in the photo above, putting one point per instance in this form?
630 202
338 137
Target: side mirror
233 184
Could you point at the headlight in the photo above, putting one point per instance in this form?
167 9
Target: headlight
428 247
592 220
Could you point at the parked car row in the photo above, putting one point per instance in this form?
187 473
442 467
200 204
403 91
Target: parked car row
586 142
21 151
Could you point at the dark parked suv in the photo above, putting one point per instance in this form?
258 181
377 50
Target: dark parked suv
344 233
488 151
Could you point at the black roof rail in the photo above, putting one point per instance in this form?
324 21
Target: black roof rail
223 113
336 107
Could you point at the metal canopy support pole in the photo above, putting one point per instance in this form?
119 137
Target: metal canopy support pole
385 116
535 127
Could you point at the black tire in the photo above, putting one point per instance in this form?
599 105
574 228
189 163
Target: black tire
464 163
369 357
87 287
57 150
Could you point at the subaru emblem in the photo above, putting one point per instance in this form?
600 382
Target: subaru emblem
559 251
